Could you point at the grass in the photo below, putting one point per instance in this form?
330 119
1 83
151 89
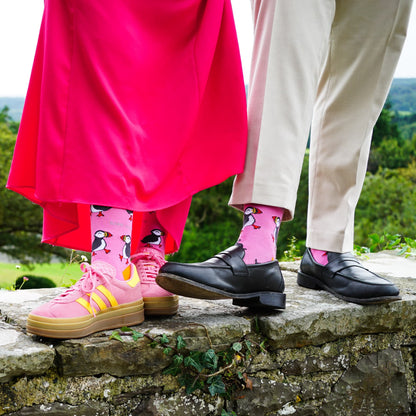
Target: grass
63 274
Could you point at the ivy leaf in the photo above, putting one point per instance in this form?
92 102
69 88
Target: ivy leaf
210 359
167 350
116 335
172 370
177 359
193 360
191 383
136 335
126 329
237 346
216 385
180 343
164 339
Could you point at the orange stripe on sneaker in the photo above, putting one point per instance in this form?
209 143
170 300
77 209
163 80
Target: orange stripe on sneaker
86 305
135 279
108 295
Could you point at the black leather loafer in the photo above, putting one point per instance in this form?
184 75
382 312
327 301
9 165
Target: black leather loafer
345 277
226 276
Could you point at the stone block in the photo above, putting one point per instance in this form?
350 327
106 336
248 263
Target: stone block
62 409
265 397
21 355
375 386
317 317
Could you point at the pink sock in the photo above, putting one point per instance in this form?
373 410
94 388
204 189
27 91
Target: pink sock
111 237
259 233
152 233
320 256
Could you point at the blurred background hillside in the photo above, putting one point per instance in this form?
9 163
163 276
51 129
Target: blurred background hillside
387 204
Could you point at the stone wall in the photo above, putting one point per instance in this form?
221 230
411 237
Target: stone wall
324 357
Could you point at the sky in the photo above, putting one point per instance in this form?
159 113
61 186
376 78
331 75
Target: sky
20 21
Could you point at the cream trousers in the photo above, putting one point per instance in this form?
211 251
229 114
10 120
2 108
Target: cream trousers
323 66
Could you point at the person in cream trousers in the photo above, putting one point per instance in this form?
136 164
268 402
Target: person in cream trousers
323 66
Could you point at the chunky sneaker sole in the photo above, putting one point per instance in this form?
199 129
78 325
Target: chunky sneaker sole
97 302
114 317
161 305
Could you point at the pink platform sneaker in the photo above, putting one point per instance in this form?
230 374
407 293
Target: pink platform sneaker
157 301
98 301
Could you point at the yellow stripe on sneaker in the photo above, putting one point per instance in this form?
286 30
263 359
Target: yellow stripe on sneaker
108 295
101 304
86 305
135 279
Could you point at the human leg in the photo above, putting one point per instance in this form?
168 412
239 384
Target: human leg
366 40
283 84
289 48
108 295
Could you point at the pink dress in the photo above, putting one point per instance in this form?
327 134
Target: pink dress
133 104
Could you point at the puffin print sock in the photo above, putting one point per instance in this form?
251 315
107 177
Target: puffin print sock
152 233
258 236
111 237
320 256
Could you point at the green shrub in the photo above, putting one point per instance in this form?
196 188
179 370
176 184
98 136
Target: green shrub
33 282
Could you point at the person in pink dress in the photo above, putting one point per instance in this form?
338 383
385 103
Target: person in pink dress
132 107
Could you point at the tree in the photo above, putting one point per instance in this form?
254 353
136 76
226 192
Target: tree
20 220
387 204
388 148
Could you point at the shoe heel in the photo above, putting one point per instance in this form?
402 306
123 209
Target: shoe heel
263 300
307 281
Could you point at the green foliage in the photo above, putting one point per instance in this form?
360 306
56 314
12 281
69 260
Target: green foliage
387 205
292 253
403 245
385 127
29 281
20 220
402 94
389 149
217 373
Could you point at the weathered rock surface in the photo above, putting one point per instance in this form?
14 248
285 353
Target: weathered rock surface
324 357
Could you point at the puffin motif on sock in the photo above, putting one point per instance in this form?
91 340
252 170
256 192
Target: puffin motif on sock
154 238
130 212
126 248
249 218
100 209
259 233
277 221
99 243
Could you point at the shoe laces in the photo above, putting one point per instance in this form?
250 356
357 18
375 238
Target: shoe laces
148 262
91 278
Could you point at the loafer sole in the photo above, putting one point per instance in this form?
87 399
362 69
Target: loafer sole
189 288
311 282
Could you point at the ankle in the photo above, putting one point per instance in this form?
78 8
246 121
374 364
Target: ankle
259 233
320 256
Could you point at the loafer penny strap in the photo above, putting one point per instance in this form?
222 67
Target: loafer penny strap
340 264
237 265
